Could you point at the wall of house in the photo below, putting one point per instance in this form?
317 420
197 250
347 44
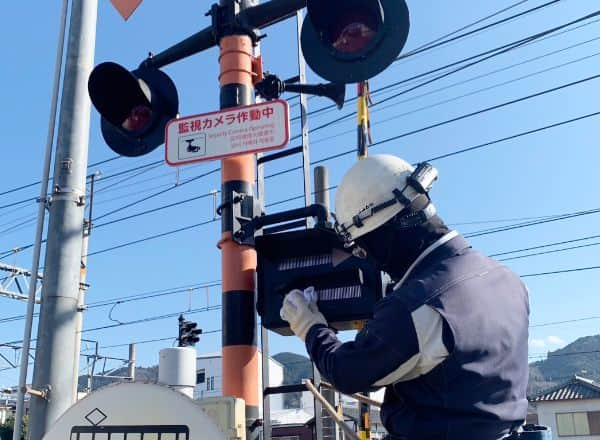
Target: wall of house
547 415
212 386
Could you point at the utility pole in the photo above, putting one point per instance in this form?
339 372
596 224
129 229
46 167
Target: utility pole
87 231
57 330
131 364
239 340
364 139
39 232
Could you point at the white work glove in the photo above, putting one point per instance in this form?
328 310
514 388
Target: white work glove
301 311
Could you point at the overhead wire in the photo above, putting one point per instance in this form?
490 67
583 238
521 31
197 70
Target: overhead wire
556 243
519 42
374 91
471 61
459 97
456 152
453 37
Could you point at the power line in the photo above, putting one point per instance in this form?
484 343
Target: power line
555 272
480 29
160 208
154 318
132 298
468 115
551 251
442 39
532 223
29 185
456 152
491 53
589 237
152 237
456 98
508 46
471 60
185 182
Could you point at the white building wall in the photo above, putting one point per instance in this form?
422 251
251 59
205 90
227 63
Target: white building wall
213 383
547 415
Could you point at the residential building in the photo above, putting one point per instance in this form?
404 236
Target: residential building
209 378
571 409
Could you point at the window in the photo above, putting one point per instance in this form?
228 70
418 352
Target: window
164 432
578 423
200 376
210 383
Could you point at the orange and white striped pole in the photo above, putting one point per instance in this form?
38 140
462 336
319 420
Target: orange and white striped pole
240 353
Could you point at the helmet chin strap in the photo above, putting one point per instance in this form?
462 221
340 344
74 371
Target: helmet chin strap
396 246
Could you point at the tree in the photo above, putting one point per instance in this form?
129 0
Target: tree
6 429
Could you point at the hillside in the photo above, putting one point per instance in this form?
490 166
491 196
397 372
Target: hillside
581 357
296 368
142 374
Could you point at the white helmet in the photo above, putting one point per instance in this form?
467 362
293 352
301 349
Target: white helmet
376 189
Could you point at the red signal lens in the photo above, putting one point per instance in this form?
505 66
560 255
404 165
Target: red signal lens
353 32
138 118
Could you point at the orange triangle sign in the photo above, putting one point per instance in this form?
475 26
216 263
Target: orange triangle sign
126 7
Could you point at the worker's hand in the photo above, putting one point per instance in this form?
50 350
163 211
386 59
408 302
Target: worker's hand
301 312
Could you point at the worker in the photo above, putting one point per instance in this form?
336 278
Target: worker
449 343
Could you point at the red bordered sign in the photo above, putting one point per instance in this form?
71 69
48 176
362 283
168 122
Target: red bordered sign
217 135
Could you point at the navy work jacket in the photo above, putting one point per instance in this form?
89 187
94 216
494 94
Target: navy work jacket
477 390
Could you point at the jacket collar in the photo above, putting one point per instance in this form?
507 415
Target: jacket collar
446 246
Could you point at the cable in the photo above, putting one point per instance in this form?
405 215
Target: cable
154 318
428 46
456 98
185 182
531 223
589 237
29 185
527 39
456 152
131 298
488 54
492 53
480 29
461 151
153 294
149 211
152 237
555 272
125 179
551 251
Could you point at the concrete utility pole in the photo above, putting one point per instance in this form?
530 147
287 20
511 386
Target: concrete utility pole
57 330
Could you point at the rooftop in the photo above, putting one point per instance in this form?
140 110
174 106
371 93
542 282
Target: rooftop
578 388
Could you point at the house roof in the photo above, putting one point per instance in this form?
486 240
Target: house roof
577 388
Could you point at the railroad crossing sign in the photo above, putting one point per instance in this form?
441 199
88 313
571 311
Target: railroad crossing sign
217 135
134 411
126 7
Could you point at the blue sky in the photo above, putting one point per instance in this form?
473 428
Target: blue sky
547 173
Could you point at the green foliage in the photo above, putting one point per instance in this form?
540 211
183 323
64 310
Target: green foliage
6 430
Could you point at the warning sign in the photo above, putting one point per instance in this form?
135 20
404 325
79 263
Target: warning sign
217 135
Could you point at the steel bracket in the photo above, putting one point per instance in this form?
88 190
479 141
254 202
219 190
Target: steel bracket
44 393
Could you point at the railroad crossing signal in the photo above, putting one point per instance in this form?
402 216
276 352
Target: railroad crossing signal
188 333
348 41
135 106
